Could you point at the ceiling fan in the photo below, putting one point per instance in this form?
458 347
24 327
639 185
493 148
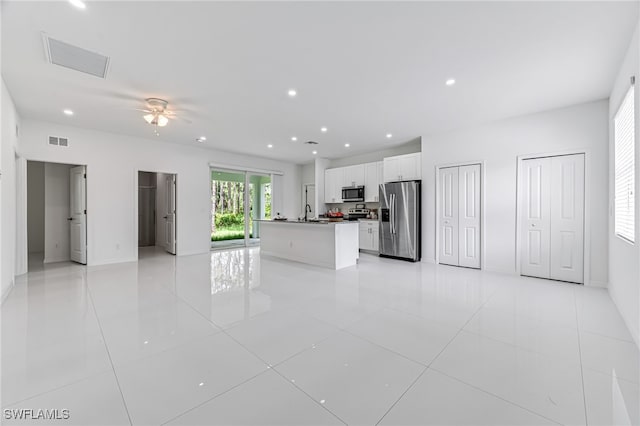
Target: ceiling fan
157 113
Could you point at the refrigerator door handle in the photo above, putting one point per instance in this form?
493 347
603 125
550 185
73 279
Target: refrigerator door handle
393 213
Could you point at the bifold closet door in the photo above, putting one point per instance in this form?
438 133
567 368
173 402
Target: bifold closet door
459 218
552 218
469 216
448 226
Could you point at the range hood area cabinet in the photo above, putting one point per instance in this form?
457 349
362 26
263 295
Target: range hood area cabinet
368 174
403 168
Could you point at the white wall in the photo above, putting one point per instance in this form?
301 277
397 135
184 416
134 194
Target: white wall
112 164
10 120
35 206
56 212
407 148
624 259
499 144
321 164
309 173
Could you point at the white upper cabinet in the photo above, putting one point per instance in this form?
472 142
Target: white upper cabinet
403 167
372 181
333 183
353 175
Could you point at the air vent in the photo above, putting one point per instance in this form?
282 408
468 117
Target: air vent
311 143
54 140
75 58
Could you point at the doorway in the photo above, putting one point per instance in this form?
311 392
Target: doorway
157 212
56 214
239 201
552 217
459 215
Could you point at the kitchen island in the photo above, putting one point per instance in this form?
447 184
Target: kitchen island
332 245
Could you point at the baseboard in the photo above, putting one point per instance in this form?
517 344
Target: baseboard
8 291
194 252
112 261
56 260
431 261
599 284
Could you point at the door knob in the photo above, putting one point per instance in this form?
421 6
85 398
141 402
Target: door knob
69 218
533 225
164 217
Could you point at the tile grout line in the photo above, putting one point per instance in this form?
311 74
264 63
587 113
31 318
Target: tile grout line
494 395
584 393
435 358
309 396
269 365
213 397
106 346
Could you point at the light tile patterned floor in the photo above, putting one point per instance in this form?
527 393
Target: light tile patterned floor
231 338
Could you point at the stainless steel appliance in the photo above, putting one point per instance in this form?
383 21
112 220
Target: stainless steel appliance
358 213
400 219
352 194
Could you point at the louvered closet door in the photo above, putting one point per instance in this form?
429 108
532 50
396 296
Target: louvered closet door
448 221
567 218
469 216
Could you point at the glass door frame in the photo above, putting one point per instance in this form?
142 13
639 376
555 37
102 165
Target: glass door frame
246 202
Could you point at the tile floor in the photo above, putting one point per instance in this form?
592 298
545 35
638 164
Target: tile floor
230 338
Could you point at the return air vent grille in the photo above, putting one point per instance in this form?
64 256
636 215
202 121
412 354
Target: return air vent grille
75 58
54 140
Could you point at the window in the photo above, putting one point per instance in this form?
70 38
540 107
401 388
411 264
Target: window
624 165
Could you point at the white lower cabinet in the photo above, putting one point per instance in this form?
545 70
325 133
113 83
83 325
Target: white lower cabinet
369 235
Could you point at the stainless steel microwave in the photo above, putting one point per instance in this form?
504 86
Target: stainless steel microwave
352 194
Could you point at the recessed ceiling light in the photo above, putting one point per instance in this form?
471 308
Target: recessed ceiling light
323 129
450 82
292 93
314 152
201 139
293 138
346 145
68 112
389 135
78 3
269 146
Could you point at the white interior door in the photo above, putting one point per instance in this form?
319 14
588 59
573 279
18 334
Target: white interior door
78 210
552 218
170 214
567 218
469 216
448 220
536 217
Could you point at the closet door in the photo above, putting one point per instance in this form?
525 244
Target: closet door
535 220
469 216
567 218
448 221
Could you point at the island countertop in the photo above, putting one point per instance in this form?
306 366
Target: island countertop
308 222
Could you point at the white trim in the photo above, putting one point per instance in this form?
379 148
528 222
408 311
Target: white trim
587 202
232 168
482 207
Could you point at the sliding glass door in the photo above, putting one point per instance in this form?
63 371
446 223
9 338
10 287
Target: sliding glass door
239 199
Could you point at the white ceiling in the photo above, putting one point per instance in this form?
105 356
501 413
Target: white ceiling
363 69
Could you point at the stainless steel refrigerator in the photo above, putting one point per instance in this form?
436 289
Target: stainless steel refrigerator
400 219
